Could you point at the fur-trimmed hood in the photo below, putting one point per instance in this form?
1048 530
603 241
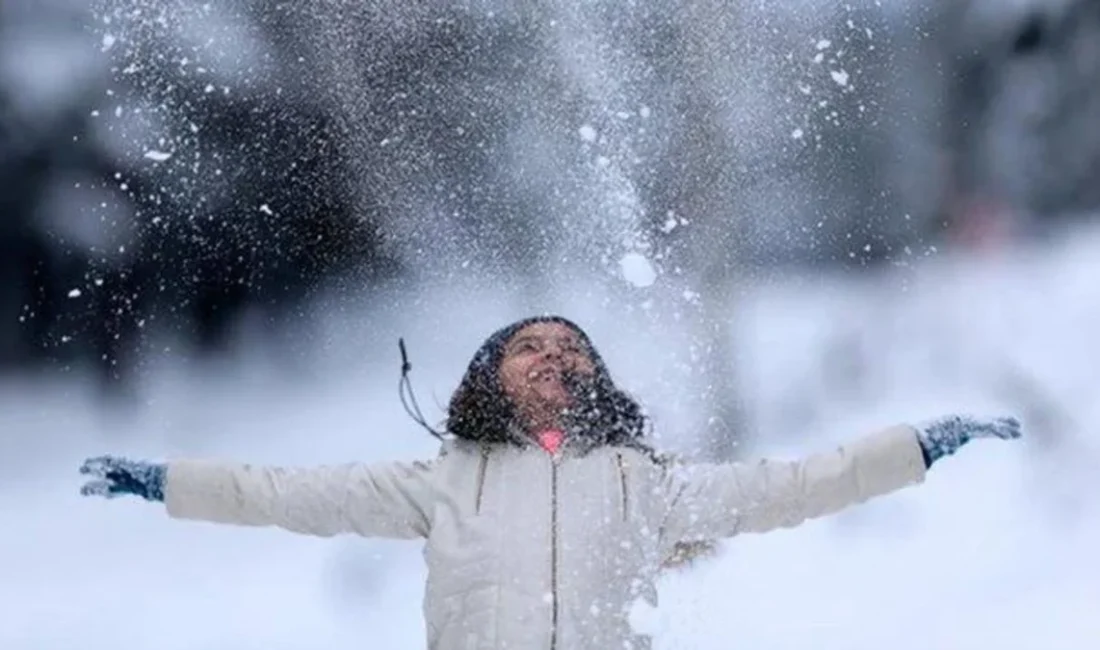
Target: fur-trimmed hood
480 411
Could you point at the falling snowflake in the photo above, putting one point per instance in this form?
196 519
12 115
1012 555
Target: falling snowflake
637 270
840 77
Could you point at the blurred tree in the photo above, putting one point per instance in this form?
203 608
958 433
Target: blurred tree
1021 91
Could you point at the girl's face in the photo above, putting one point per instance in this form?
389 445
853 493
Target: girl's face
536 360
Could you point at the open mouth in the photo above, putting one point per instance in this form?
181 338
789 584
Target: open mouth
545 374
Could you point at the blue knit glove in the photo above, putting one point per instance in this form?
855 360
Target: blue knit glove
943 436
113 477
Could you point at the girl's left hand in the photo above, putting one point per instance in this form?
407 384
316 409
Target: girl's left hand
944 436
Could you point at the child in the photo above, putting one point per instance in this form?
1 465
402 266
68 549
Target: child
546 515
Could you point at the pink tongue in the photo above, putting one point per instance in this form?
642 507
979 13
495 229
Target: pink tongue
551 440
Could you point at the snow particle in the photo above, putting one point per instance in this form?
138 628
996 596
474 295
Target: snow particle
840 77
587 133
637 270
157 156
670 224
75 293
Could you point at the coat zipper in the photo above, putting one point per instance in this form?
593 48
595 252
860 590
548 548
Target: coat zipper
622 484
553 553
481 468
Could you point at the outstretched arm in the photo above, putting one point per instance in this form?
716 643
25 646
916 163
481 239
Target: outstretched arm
380 500
708 501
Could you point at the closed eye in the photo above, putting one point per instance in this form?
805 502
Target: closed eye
525 345
570 345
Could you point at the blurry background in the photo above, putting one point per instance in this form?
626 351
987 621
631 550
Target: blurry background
784 225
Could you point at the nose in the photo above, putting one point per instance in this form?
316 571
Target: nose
554 350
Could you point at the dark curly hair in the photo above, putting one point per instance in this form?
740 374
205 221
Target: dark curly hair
480 411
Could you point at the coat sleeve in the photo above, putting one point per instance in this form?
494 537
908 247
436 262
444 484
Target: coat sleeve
709 501
380 500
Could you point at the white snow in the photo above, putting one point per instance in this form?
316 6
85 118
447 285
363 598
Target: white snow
587 132
997 550
157 156
840 77
74 293
637 270
670 224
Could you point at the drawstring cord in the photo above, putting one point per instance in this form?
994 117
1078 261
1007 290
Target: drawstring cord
408 397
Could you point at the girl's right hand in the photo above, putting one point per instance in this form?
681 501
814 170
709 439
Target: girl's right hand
113 477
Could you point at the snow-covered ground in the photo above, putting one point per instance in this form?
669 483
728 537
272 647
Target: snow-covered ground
997 550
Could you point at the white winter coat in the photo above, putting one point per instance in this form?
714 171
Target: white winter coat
526 551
